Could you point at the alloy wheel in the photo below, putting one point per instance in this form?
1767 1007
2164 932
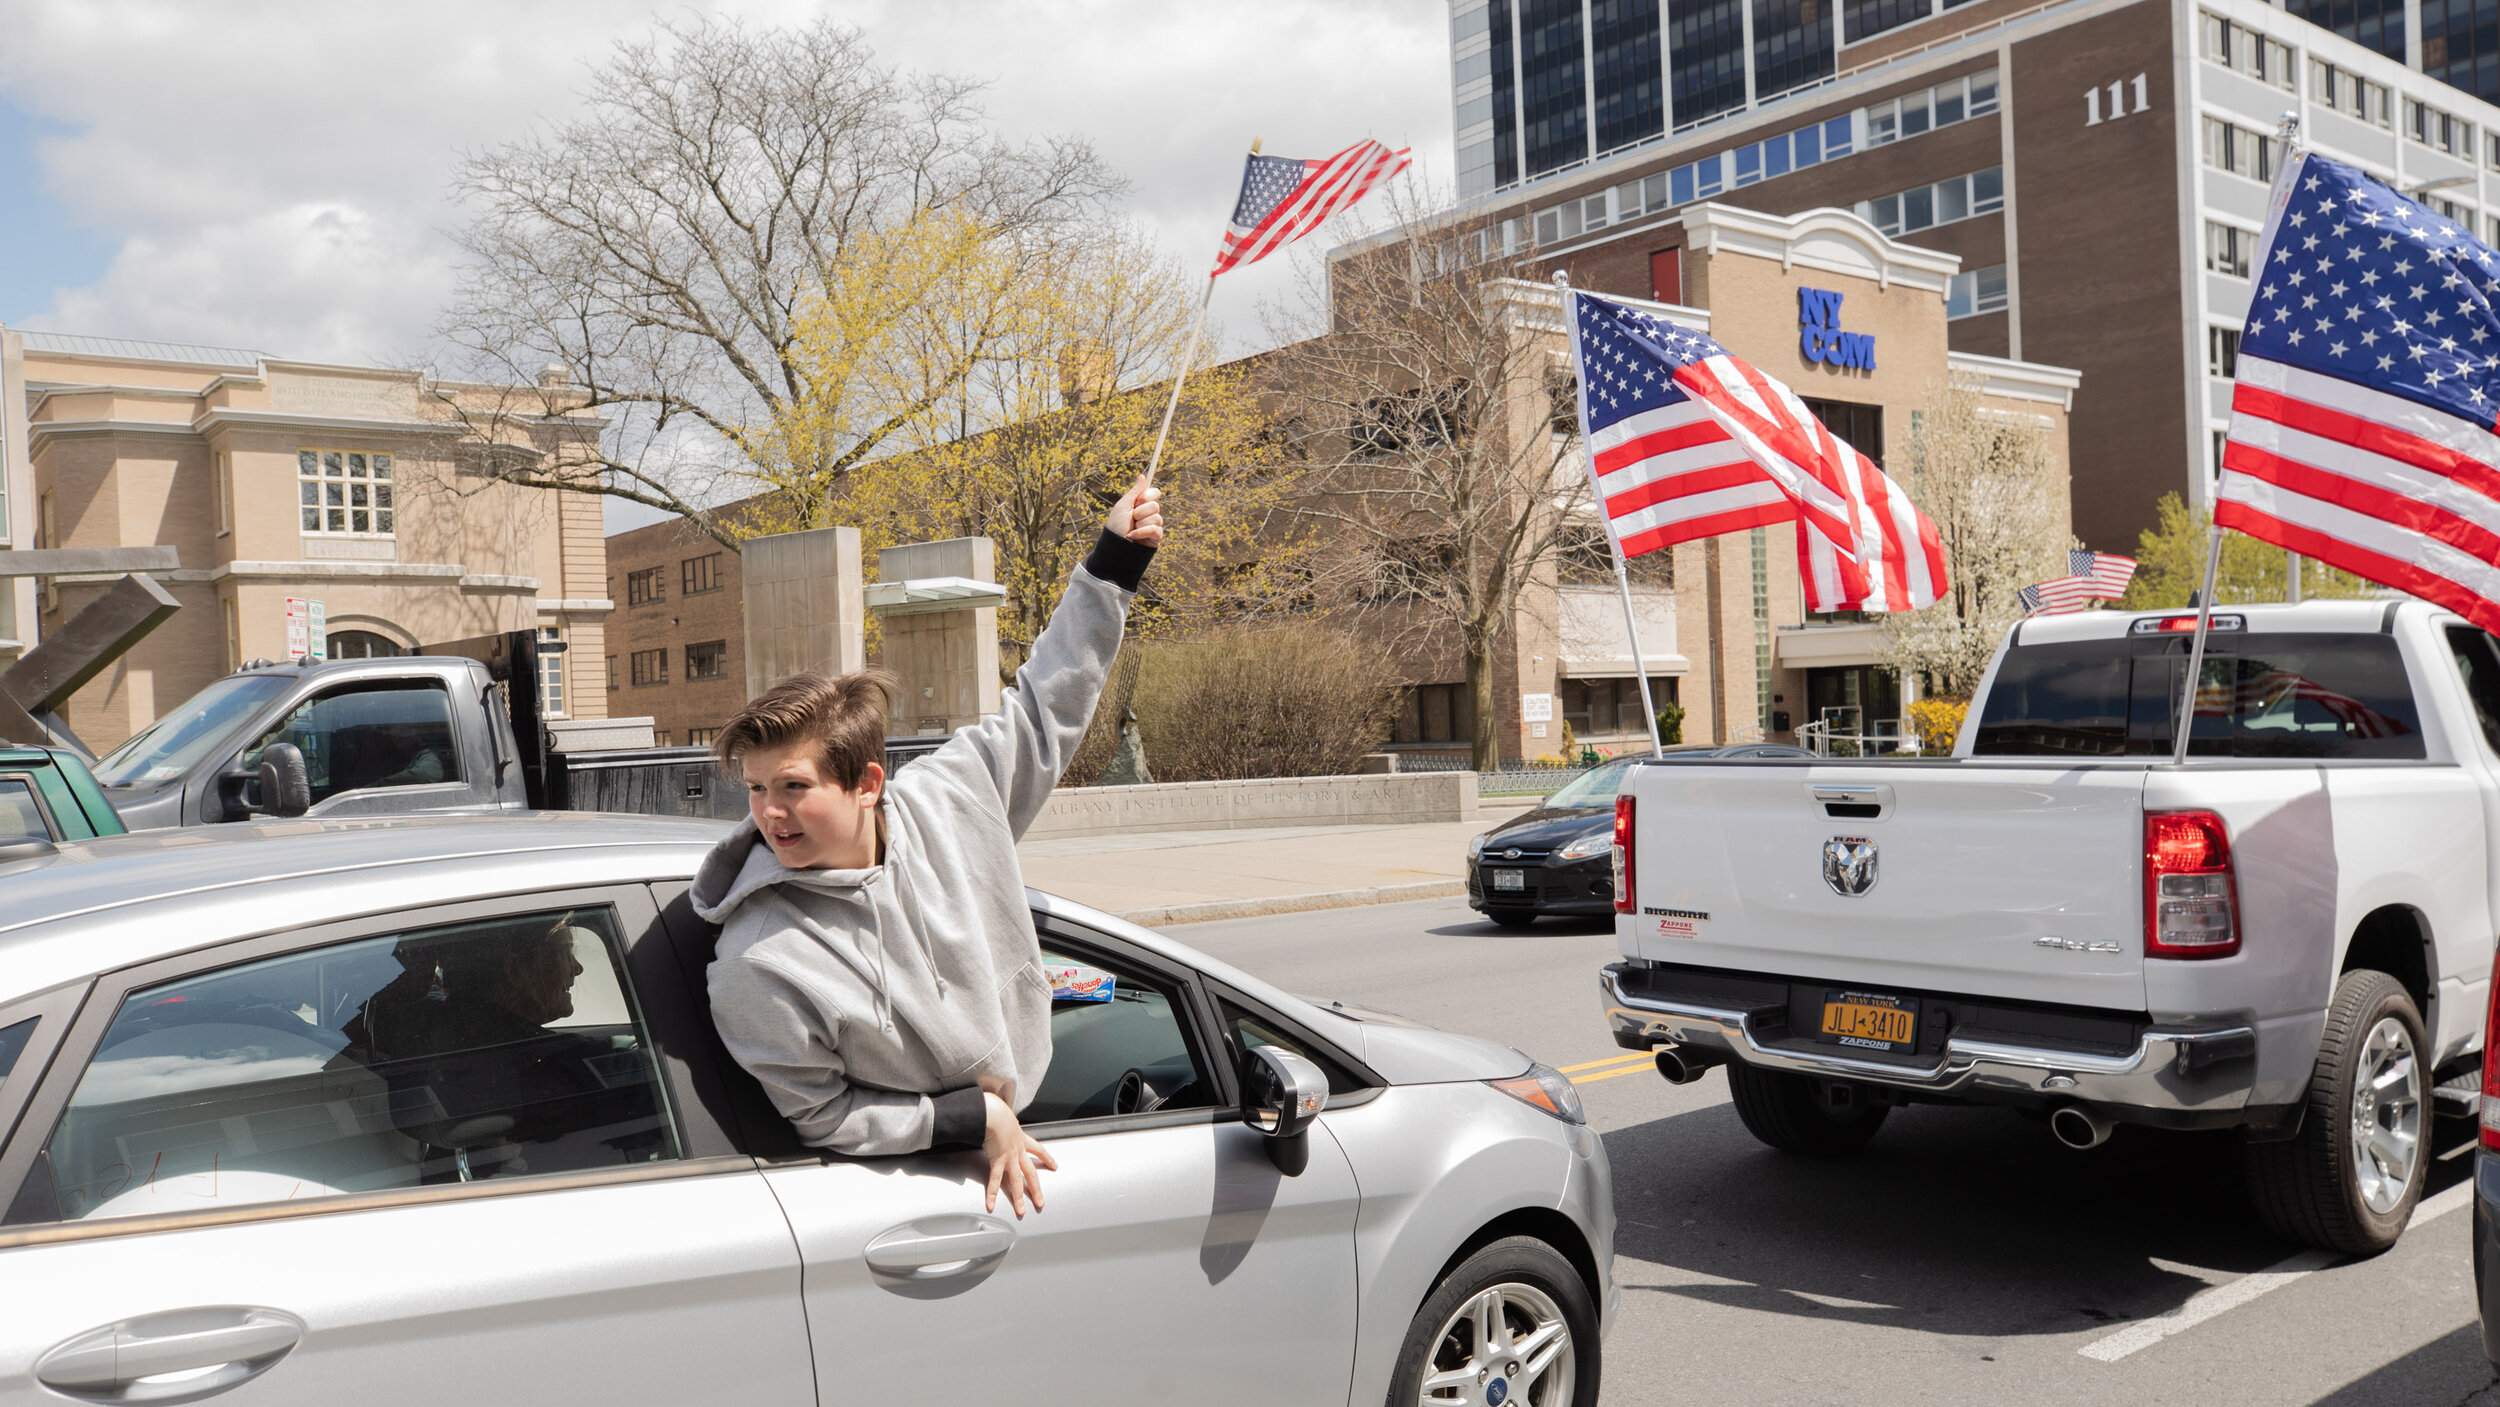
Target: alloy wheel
2386 1116
1507 1344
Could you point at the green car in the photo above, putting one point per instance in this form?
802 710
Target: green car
47 794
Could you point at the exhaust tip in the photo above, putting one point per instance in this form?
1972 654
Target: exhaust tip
2078 1127
1679 1068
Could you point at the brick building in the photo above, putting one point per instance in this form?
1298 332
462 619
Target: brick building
675 646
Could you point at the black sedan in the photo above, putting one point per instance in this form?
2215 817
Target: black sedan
1557 858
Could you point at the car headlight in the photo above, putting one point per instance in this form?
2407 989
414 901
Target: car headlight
1589 846
1475 844
1545 1087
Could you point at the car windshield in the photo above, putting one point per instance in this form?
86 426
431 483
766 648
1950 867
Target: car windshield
1595 787
169 746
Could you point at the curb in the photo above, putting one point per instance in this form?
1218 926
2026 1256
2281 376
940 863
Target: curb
1295 903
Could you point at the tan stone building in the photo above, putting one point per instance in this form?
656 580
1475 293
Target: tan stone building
356 488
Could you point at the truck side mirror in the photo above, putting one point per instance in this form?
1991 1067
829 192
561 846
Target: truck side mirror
285 788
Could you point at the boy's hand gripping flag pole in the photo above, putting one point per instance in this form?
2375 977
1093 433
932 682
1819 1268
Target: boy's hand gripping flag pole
1282 200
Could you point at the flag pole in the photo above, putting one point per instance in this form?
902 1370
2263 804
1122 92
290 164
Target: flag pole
1614 549
1188 355
2196 647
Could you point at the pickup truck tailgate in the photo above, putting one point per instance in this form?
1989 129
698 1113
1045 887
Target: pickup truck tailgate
1973 870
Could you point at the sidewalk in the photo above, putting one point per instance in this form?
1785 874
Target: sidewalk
1189 876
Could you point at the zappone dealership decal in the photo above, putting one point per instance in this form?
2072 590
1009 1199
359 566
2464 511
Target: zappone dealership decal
1819 335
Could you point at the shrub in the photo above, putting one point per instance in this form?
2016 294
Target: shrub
1938 722
1299 700
1670 723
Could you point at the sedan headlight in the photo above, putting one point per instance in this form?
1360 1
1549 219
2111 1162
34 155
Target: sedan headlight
1545 1087
1475 844
1590 846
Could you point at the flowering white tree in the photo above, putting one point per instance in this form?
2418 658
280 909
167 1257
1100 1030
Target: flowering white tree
1993 488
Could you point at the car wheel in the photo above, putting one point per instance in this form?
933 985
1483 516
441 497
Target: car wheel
2348 1180
1513 1323
1792 1114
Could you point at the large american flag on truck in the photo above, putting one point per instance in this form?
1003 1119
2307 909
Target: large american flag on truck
2368 380
1686 441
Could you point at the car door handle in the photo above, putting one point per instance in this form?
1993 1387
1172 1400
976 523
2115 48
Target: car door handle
110 1364
940 1245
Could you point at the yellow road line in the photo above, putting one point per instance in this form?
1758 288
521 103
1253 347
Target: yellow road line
1610 1060
1640 1069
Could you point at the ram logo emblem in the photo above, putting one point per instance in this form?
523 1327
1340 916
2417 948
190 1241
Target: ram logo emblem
1849 864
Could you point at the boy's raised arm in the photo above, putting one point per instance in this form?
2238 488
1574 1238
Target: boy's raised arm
1022 749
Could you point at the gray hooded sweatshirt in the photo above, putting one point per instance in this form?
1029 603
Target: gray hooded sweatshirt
854 996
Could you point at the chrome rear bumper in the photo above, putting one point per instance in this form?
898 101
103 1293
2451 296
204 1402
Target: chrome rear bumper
2171 1070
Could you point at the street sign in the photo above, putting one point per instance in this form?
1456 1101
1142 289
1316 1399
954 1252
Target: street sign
307 630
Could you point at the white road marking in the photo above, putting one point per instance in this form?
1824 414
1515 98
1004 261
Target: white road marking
2205 1304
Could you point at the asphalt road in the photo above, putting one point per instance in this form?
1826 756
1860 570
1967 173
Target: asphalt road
1964 1257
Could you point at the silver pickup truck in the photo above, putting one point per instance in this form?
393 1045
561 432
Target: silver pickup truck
2290 936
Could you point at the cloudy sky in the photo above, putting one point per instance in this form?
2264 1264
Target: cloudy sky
271 175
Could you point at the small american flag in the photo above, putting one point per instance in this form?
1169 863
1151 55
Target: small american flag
2058 596
2108 572
1686 442
2369 371
1283 199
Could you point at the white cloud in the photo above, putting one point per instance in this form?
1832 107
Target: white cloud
272 175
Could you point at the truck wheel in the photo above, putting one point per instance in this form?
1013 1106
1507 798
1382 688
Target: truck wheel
1513 1323
2348 1181
1790 1113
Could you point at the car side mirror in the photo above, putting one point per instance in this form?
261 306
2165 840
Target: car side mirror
1282 1091
285 787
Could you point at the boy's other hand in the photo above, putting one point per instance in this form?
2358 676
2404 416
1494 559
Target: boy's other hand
1138 516
1013 1154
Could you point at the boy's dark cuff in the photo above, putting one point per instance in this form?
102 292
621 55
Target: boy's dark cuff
961 1119
1119 561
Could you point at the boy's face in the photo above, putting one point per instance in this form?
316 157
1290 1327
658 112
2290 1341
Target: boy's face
811 821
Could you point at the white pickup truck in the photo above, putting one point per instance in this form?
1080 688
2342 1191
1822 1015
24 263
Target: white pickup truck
2290 935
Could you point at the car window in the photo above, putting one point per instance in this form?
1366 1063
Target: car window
2478 662
13 1041
474 1051
1117 1045
2292 695
394 734
168 747
20 817
1249 1030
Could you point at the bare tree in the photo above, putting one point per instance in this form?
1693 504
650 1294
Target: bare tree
1434 418
1998 500
650 261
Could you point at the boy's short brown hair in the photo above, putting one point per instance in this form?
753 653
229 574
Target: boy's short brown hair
844 716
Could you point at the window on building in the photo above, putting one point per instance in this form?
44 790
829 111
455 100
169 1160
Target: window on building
551 672
2438 130
1792 45
361 645
696 575
1601 707
2238 150
1924 207
708 660
659 737
344 493
701 737
222 488
1976 291
2462 215
1864 19
1553 95
1626 79
1705 58
47 527
2349 93
2222 351
645 587
611 671
2376 25
1914 114
2228 248
2244 50
650 666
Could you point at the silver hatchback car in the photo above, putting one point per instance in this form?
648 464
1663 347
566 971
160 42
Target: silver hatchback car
429 1110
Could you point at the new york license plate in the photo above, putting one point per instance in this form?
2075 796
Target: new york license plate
1509 879
1870 1021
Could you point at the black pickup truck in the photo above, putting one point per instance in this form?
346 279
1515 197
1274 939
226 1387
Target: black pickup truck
432 732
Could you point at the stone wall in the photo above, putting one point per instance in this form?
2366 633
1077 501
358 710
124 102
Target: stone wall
1409 799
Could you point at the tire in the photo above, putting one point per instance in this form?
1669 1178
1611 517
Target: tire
1789 1113
1536 1289
1515 919
2332 1186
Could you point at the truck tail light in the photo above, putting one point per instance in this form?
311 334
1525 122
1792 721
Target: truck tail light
1623 855
2491 1062
2191 903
